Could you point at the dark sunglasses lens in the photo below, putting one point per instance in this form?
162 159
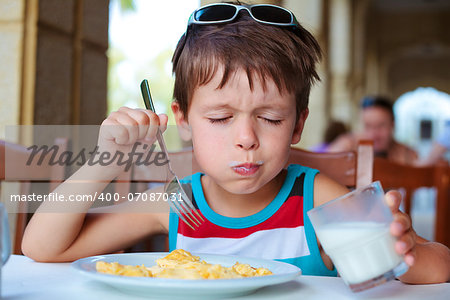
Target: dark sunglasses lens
271 14
215 13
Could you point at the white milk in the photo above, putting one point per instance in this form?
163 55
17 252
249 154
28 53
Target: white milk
359 250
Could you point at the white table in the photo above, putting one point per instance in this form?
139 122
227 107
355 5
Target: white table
22 278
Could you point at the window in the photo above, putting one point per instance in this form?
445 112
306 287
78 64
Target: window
142 40
420 117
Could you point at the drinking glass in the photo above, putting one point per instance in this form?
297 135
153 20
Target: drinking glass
354 232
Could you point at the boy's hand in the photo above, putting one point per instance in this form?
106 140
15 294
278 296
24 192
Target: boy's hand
401 228
123 128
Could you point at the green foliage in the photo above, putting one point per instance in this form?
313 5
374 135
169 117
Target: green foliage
157 70
127 5
158 73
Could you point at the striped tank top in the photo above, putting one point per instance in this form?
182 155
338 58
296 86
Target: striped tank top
281 231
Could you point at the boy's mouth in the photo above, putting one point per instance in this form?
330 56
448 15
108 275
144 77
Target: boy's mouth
245 169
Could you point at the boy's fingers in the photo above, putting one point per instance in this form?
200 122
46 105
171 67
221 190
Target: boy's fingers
110 129
148 122
131 126
393 200
163 119
113 129
143 121
410 258
405 243
400 225
153 126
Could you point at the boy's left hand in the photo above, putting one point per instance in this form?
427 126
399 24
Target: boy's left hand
401 228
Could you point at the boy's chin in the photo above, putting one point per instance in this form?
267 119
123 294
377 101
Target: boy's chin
244 187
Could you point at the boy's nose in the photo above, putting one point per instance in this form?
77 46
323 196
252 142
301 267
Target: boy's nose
246 137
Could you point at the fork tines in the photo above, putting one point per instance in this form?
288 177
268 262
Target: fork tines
184 208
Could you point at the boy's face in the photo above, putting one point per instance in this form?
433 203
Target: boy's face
241 137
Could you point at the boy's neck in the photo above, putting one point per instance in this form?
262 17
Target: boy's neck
241 205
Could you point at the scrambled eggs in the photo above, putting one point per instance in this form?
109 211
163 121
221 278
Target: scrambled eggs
181 264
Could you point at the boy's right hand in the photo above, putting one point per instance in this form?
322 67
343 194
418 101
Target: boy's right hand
123 128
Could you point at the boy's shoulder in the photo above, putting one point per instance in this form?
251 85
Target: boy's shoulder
297 170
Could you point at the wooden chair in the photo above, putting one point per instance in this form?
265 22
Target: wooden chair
351 168
394 176
14 168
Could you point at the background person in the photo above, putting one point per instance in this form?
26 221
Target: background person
334 130
378 122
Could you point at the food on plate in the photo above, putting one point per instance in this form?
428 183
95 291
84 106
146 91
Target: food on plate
180 264
118 269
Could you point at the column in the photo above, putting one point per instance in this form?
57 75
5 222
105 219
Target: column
340 63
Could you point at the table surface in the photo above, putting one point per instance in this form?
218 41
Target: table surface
22 278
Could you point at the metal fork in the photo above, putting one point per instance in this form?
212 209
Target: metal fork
182 206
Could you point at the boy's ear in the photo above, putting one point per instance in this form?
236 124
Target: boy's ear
299 126
182 124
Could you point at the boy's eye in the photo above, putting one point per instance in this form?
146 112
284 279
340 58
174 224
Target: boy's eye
273 122
220 120
226 119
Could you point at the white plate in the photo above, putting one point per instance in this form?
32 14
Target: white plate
182 288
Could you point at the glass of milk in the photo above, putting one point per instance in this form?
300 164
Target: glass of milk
354 232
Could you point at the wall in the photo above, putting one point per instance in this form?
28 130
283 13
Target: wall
11 37
71 63
53 66
54 63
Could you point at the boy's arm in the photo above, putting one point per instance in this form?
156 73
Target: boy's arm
63 231
55 234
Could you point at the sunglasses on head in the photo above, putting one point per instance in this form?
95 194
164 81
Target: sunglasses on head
225 12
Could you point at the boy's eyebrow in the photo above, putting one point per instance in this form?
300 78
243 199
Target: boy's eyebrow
216 106
262 107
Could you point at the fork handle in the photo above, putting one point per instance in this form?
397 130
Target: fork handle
162 145
145 90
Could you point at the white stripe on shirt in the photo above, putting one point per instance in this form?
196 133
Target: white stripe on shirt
279 243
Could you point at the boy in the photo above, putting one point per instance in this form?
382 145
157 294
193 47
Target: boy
243 76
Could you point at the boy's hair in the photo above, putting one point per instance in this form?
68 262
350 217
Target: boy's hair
378 101
287 56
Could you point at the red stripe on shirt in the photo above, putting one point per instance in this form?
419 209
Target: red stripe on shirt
290 215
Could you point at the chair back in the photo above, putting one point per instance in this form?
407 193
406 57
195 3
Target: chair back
394 176
351 168
14 168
